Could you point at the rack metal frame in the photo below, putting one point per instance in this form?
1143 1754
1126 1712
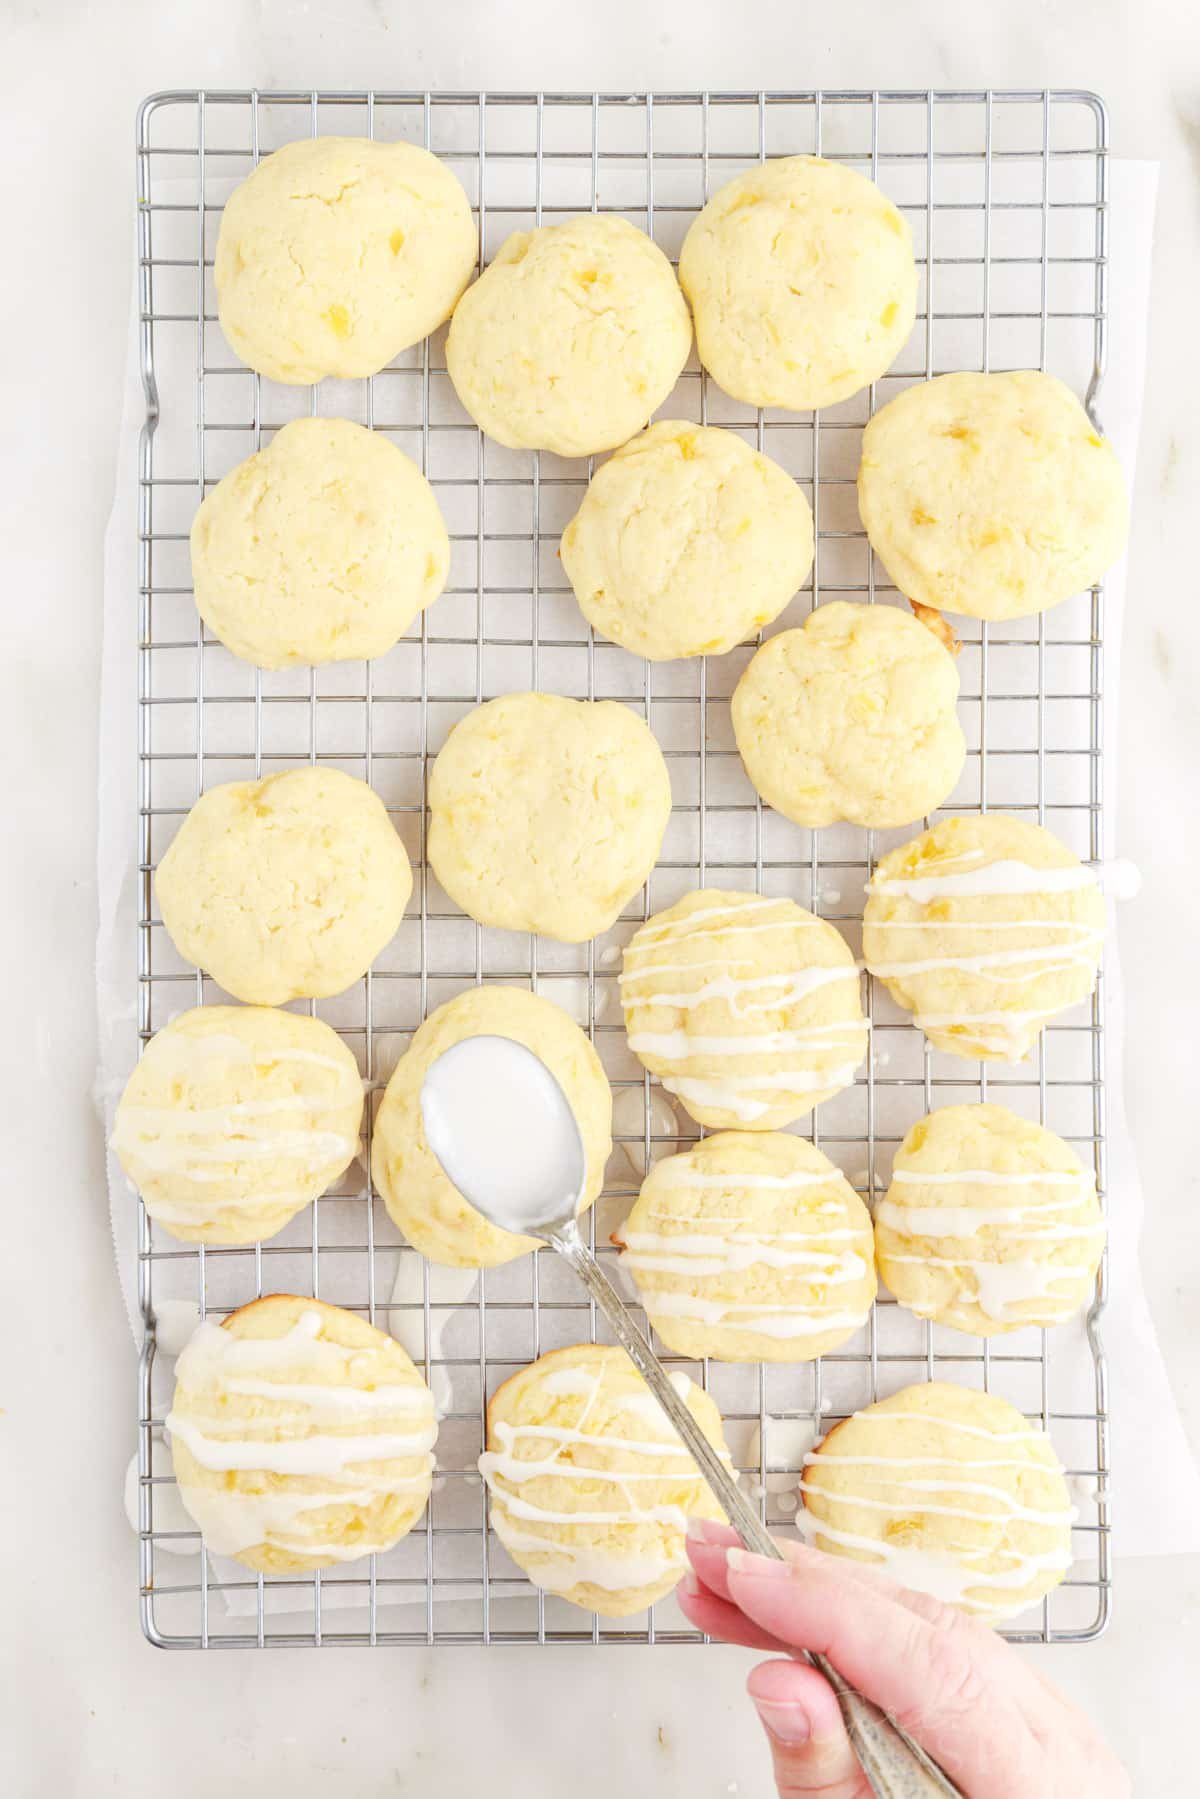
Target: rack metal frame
1011 179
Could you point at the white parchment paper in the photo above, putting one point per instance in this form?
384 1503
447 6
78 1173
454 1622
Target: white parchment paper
1157 1487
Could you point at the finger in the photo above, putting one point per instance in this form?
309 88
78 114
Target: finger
809 1746
717 1618
944 1677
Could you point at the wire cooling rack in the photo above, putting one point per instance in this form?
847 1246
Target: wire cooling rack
1006 195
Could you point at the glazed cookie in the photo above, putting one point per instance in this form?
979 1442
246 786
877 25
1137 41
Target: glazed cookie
321 548
285 888
992 495
419 1196
991 1223
747 1009
547 814
852 716
235 1119
984 928
687 542
339 252
947 1490
591 1489
801 278
302 1436
751 1247
571 338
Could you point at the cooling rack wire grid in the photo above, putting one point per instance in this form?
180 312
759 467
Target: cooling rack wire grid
1006 193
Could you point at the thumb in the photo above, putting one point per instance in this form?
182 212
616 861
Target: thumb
803 1722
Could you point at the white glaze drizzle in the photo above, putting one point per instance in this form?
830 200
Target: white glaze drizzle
797 985
683 1046
946 1575
992 1177
1000 1286
586 1564
730 1094
698 1254
764 1320
1005 876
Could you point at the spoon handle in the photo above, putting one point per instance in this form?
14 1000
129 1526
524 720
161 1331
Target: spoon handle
895 1766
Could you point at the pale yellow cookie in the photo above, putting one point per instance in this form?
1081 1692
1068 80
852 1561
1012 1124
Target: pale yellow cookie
547 814
801 279
570 338
992 495
339 252
284 888
991 1223
751 1247
851 716
984 928
687 542
321 548
419 1196
235 1119
747 1009
301 1436
947 1490
591 1489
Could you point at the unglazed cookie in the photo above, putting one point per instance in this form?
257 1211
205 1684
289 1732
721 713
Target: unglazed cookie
547 814
302 1436
687 542
992 495
984 928
571 338
801 279
419 1196
591 1488
284 888
235 1118
339 252
851 716
751 1247
947 1490
323 547
747 1009
991 1223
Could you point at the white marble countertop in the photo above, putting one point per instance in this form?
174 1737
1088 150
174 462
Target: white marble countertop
90 1708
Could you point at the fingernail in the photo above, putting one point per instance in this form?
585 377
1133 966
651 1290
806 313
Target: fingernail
691 1584
787 1723
703 1530
742 1561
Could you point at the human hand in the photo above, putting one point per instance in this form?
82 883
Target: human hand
995 1725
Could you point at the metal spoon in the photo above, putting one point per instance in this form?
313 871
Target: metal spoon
895 1766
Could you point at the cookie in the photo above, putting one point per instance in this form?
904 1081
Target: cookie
590 1487
235 1119
947 1490
323 547
570 338
301 1435
284 888
751 1247
420 1198
991 495
801 280
339 252
687 542
851 716
547 814
991 1223
984 928
747 1009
